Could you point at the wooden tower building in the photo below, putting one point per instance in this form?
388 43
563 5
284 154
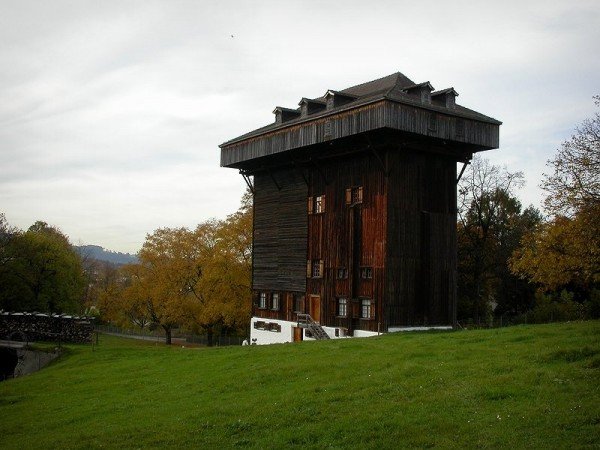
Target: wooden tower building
355 209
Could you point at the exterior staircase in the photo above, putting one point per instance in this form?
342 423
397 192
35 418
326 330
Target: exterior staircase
317 331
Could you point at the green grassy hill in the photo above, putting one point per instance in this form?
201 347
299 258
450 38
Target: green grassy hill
527 386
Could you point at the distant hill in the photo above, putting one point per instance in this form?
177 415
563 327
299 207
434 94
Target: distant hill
100 254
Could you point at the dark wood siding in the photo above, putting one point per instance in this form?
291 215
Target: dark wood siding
280 232
350 237
421 254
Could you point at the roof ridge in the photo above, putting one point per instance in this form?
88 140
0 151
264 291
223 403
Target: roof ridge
395 84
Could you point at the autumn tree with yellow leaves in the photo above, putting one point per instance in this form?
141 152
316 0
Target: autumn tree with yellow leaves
563 254
197 278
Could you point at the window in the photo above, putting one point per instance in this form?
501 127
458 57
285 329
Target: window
267 326
298 303
316 204
273 327
317 268
262 301
366 273
365 309
275 302
460 127
342 307
314 268
342 273
432 122
319 204
354 195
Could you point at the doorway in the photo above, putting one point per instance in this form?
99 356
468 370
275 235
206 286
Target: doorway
314 308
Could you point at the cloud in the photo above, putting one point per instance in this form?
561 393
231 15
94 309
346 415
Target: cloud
112 113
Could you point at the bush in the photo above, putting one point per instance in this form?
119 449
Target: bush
556 307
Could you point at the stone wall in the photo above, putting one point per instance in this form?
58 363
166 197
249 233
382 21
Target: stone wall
45 327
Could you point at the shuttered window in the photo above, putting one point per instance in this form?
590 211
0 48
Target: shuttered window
316 204
460 127
317 268
432 122
354 195
366 273
319 204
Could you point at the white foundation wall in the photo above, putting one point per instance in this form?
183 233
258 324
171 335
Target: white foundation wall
363 333
330 332
400 329
264 337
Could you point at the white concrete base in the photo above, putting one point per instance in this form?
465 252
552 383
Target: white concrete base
282 331
264 336
363 333
399 329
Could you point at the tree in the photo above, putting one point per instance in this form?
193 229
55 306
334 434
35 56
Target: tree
163 283
227 299
563 254
41 272
197 278
489 228
574 182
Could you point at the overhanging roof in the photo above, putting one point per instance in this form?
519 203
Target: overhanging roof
387 102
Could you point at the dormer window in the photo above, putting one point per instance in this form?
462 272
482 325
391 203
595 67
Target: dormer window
284 114
308 106
421 91
334 99
445 98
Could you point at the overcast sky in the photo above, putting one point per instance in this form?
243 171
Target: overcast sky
111 112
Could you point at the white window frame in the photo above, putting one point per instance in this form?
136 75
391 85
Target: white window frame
365 309
262 300
342 307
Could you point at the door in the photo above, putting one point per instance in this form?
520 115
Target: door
314 308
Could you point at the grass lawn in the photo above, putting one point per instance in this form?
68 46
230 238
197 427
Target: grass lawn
527 386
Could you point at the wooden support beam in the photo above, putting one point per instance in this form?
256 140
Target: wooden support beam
467 162
301 170
248 181
314 161
274 180
381 163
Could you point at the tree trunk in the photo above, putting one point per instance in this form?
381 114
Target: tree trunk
167 335
209 336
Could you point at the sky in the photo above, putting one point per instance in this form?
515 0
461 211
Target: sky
111 112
